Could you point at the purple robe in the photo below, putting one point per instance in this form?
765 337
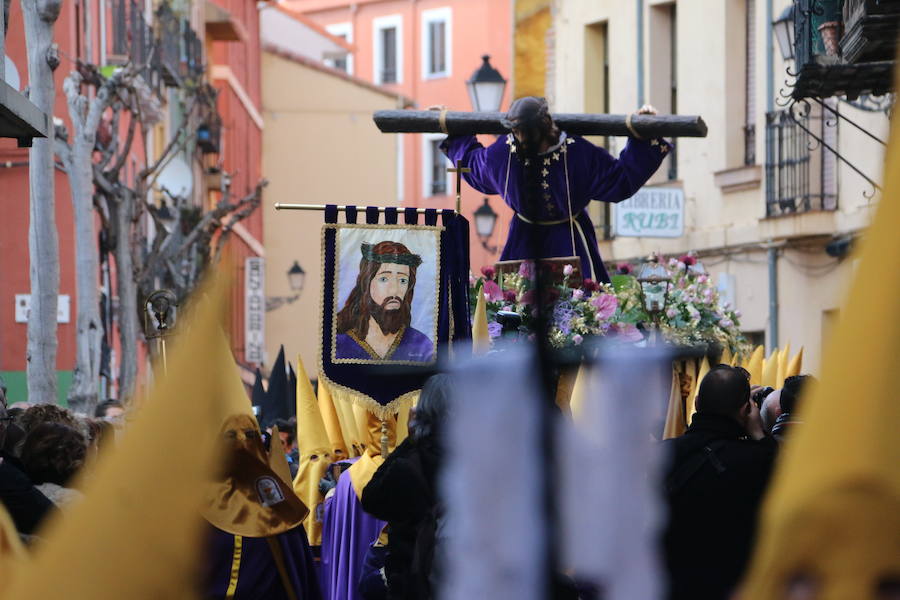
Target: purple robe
593 174
258 577
347 533
414 346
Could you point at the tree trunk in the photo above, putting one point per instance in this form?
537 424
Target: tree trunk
85 117
43 245
126 286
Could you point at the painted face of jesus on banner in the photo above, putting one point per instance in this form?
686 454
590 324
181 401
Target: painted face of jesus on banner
380 319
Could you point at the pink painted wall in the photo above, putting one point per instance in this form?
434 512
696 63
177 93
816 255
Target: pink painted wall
478 27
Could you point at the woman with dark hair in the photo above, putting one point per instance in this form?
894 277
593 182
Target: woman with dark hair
52 454
403 492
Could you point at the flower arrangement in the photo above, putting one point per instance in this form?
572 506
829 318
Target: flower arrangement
694 313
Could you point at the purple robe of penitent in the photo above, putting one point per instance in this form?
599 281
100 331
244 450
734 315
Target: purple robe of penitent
257 576
347 533
413 346
592 174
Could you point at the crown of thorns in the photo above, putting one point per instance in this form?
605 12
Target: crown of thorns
408 259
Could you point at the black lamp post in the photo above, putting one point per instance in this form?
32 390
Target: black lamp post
485 221
784 32
486 87
296 279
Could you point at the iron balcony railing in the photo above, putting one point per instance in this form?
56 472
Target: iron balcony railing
167 53
795 166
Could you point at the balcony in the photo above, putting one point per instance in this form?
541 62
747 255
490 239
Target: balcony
799 171
168 53
209 131
19 117
844 51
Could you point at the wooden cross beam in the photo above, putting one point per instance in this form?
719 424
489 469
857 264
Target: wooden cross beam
459 170
472 123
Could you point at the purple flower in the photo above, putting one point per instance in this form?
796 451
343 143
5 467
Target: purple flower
627 332
737 313
605 304
577 294
726 322
494 329
577 339
492 292
526 269
568 270
488 272
671 313
509 295
562 317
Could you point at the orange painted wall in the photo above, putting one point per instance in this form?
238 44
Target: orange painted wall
478 27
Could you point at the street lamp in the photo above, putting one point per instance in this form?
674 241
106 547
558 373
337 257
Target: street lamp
486 87
783 27
296 279
485 221
655 282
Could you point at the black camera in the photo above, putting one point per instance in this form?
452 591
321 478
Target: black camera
760 395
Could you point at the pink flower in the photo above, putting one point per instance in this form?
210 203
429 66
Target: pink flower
605 304
568 270
577 294
688 260
627 332
492 291
488 272
509 295
671 313
702 279
526 269
589 285
624 268
577 339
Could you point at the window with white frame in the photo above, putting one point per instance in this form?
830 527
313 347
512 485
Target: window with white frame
388 49
435 178
436 42
345 32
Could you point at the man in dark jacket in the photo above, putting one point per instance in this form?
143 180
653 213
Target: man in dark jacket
717 475
403 492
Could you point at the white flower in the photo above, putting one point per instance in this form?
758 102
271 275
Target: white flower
568 270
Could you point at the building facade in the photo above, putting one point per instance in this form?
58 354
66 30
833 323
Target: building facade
318 148
221 41
425 50
770 211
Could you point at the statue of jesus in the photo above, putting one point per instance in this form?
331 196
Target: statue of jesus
375 322
548 177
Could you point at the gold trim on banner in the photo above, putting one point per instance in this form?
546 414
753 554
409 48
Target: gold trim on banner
341 393
235 566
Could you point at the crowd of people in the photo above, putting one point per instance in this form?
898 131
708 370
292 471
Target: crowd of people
382 526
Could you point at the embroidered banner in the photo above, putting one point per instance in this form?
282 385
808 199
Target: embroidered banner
394 301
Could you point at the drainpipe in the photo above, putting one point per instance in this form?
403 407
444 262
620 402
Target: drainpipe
772 255
640 52
770 61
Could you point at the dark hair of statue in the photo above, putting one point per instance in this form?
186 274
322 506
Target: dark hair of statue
354 316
